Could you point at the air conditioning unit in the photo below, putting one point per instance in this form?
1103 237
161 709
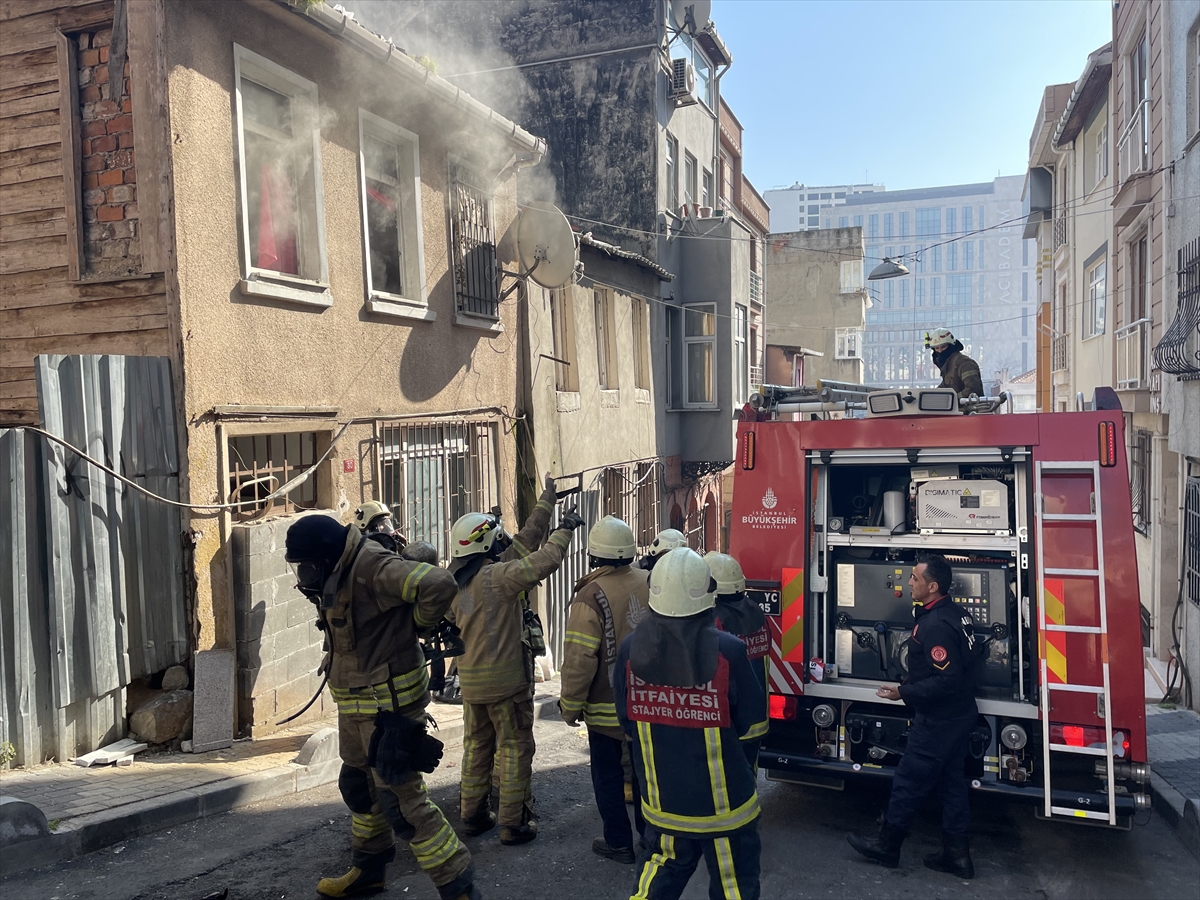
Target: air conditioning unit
683 83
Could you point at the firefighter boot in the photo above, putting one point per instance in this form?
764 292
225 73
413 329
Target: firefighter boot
883 848
480 823
955 857
366 876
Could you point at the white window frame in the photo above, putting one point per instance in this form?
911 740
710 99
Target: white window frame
690 176
310 237
672 159
413 303
607 376
1092 295
562 326
851 276
706 188
849 343
710 339
741 352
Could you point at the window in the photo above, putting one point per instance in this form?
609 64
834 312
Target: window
979 299
966 219
950 216
839 195
261 463
1139 279
903 290
1025 252
473 243
889 294
689 179
1024 323
283 225
741 360
935 292
1096 163
968 255
606 350
851 276
640 327
391 186
849 343
1094 302
843 221
432 473
981 265
858 221
952 258
919 292
929 222
889 223
873 225
937 259
903 224
827 196
706 189
685 48
1140 445
699 354
813 209
672 173
958 290
562 324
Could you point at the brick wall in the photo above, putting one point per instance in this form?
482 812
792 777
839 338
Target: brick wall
111 246
278 644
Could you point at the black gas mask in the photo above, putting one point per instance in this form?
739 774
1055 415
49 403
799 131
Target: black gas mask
312 580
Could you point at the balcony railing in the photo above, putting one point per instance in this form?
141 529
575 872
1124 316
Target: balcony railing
755 288
756 377
1060 229
1133 355
1133 150
1058 353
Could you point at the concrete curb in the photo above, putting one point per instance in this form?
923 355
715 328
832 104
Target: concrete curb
86 834
1179 811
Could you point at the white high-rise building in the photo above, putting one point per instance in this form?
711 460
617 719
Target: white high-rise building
808 207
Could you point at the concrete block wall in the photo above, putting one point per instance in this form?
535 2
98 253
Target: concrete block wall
278 644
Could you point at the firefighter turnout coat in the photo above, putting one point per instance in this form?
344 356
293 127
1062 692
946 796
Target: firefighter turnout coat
941 657
609 603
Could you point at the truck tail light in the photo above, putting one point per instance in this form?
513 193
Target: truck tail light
1108 444
783 706
1089 736
748 442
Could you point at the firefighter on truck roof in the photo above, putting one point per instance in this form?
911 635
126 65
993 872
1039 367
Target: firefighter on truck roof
940 690
958 370
686 693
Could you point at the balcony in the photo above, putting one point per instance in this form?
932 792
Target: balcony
1133 356
1059 353
1133 167
755 288
1060 229
756 377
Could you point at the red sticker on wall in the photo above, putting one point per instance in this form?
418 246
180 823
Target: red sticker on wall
938 654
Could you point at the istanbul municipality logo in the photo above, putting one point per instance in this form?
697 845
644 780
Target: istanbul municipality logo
769 499
766 518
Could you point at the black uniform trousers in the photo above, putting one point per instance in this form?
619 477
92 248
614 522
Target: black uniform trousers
608 783
668 862
933 759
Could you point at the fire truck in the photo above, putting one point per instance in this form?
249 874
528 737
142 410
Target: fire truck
838 488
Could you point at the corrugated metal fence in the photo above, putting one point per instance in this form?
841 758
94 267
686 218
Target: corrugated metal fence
91 577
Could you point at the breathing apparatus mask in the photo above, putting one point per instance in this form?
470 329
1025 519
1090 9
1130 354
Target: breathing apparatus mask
312 580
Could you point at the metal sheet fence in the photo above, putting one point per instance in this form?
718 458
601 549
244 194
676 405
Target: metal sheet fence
91 584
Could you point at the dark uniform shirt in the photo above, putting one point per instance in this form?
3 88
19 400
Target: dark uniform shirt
941 652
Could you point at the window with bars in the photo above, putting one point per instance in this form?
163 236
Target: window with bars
1139 478
1191 541
434 472
261 463
473 243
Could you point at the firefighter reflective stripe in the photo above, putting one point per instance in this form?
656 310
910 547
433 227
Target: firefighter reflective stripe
602 715
653 797
792 615
368 825
762 671
571 706
757 730
591 642
409 688
724 854
1055 642
492 675
735 819
512 789
437 850
716 771
654 865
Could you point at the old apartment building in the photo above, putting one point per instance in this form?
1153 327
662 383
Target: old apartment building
310 231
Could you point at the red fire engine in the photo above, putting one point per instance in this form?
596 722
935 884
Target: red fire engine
830 508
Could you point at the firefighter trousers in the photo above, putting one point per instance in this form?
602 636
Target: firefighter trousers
608 783
668 862
500 735
382 812
933 760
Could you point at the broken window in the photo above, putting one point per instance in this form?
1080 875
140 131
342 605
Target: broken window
260 464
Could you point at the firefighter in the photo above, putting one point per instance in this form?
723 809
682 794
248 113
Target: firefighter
371 605
744 619
495 672
609 603
685 694
667 540
375 521
958 370
940 691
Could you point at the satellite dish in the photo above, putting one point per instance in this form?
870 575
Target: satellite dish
546 244
701 10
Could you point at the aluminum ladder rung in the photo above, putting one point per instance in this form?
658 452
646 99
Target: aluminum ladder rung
1073 573
1077 688
1068 517
1060 465
1075 629
1086 751
1078 813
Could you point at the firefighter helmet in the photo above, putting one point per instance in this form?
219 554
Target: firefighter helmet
726 570
611 539
668 539
368 513
940 337
474 533
681 584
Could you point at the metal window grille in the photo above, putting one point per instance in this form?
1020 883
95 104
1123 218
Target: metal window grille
1139 479
1179 350
260 463
434 472
1191 540
473 242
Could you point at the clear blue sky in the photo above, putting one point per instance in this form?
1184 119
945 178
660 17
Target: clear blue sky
909 94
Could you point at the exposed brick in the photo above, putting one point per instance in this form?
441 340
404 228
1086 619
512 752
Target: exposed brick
102 110
90 94
93 198
84 41
94 129
131 211
120 123
93 163
110 213
131 176
125 140
126 105
124 193
89 57
103 53
111 177
101 74
86 75
121 159
104 144
90 180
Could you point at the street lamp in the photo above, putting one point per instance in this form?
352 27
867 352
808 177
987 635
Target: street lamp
887 269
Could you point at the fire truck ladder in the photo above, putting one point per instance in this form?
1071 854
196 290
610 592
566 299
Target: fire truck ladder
1103 691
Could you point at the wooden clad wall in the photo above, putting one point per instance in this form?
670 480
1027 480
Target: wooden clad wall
42 310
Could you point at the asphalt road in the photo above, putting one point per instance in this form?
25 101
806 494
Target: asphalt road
280 848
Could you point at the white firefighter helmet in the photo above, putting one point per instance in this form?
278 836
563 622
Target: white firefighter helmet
611 538
473 533
368 513
668 539
726 570
680 584
940 337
